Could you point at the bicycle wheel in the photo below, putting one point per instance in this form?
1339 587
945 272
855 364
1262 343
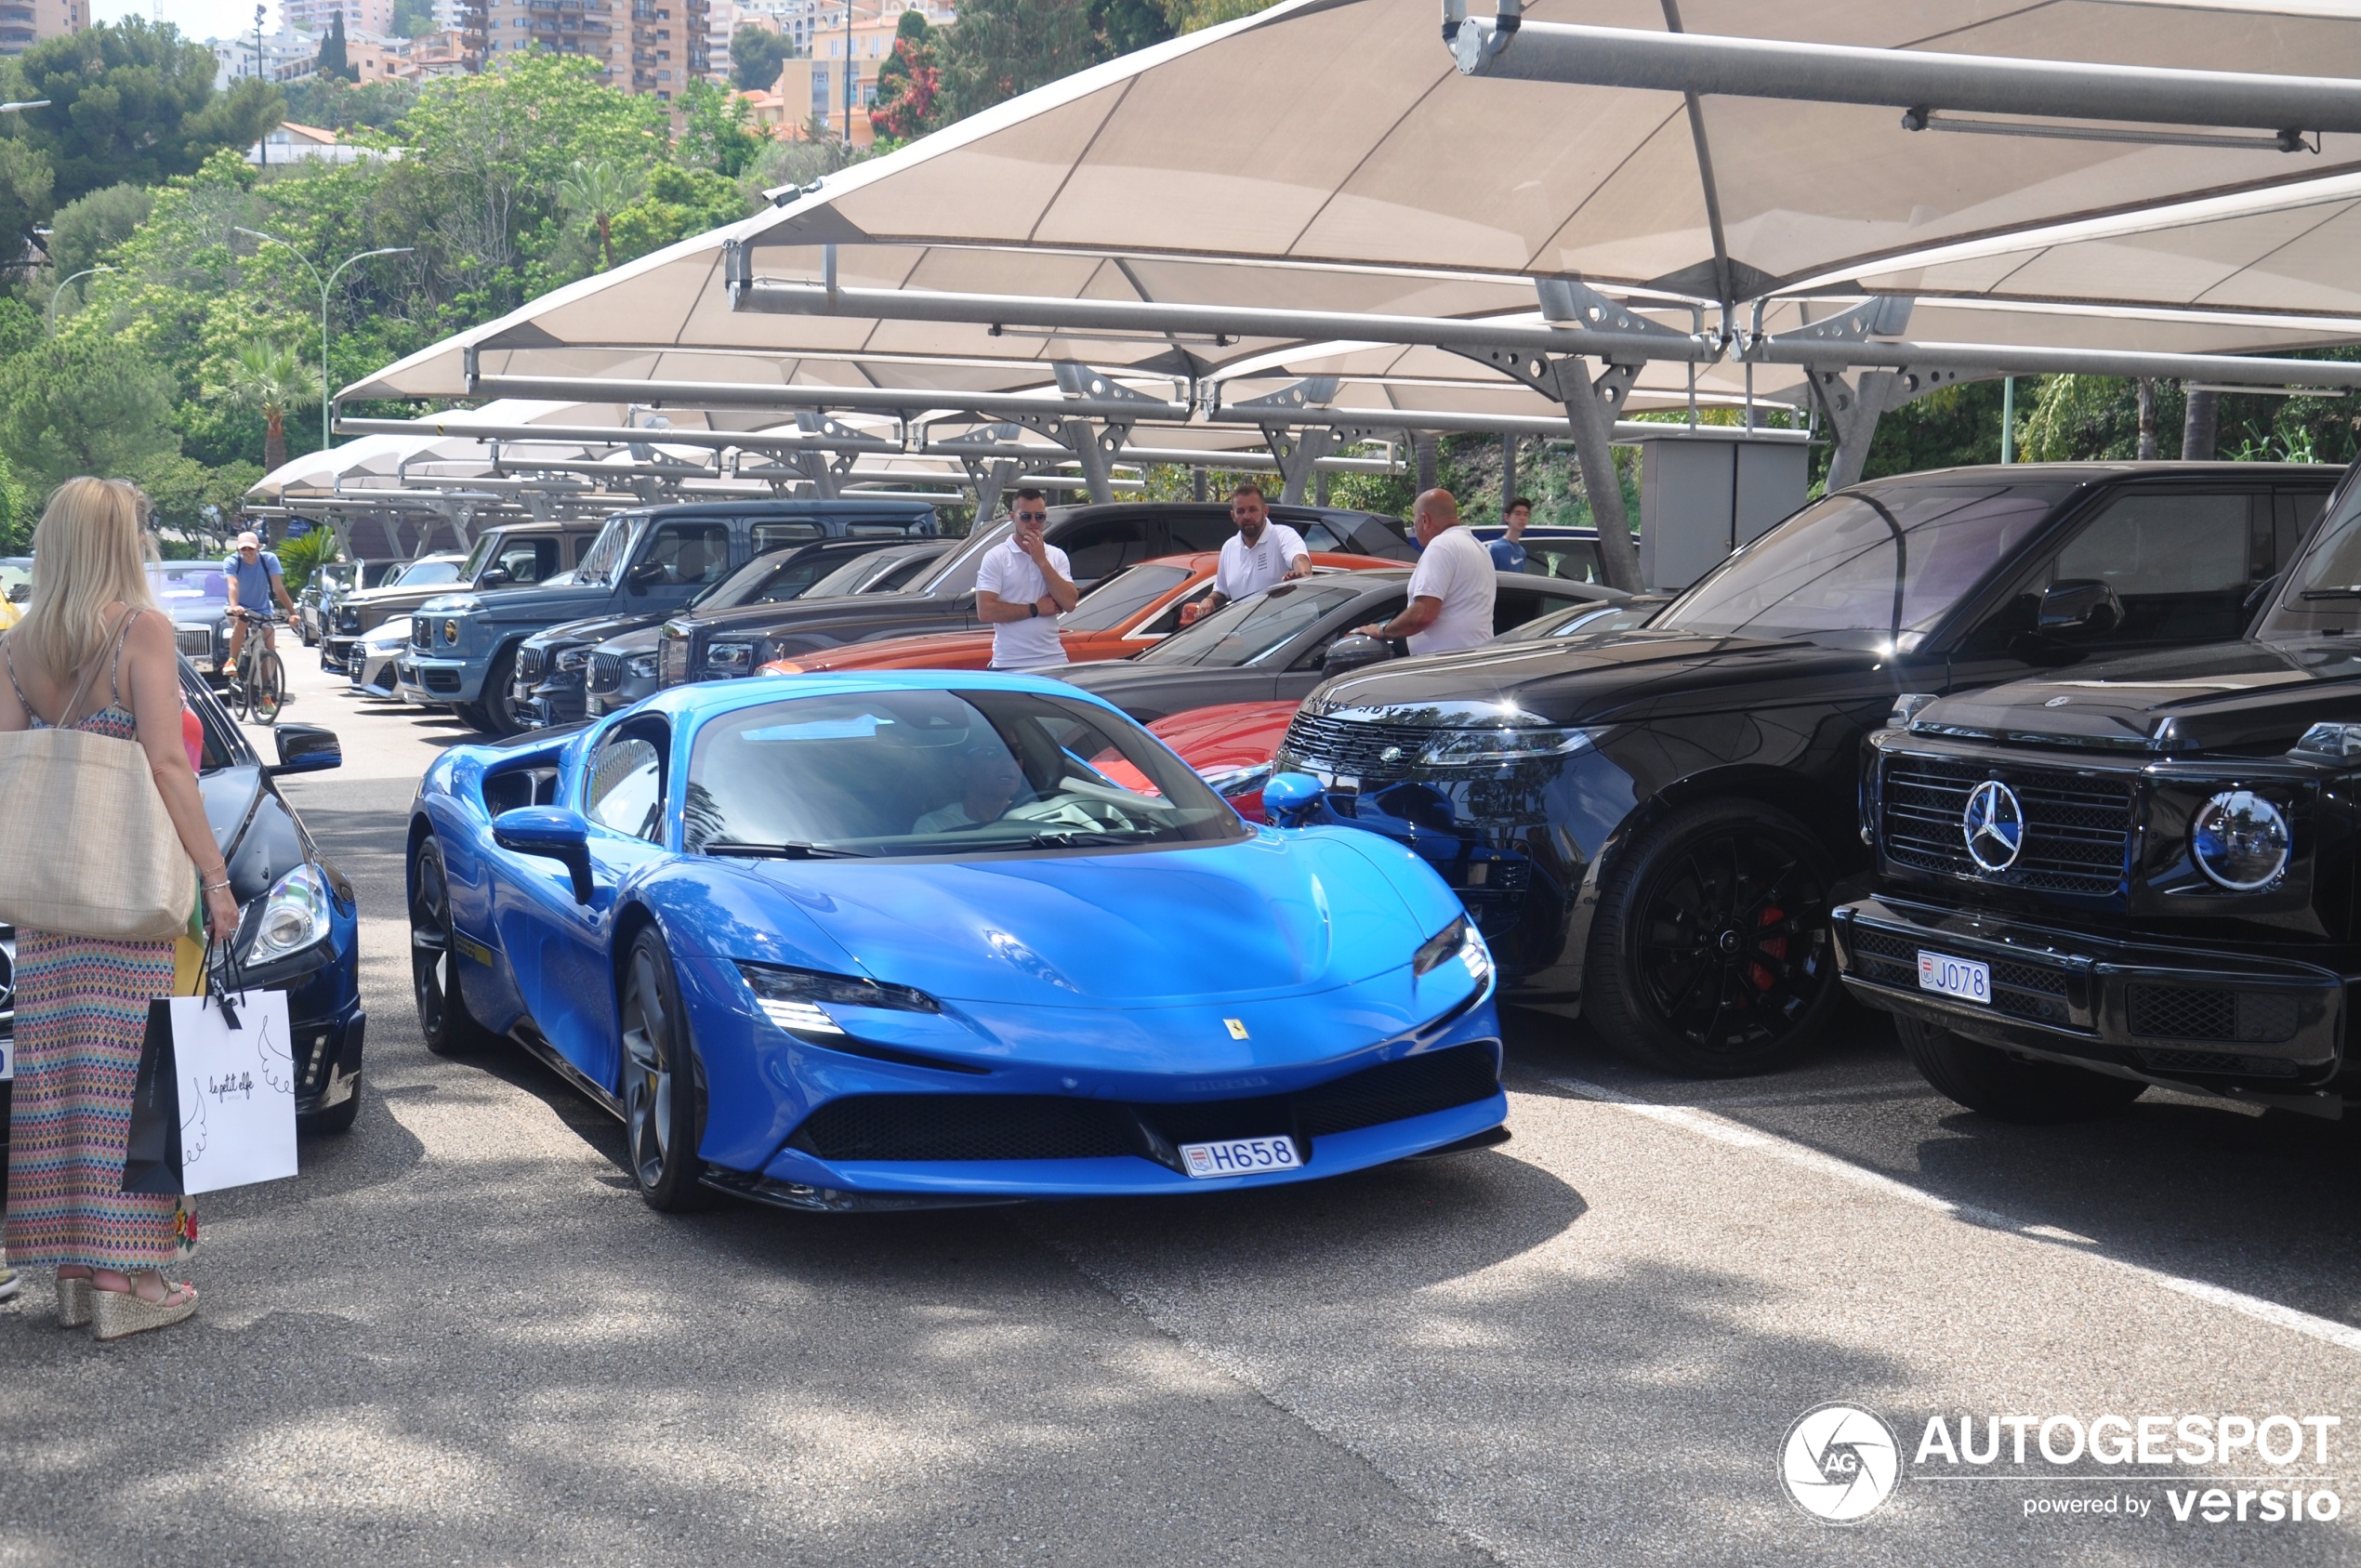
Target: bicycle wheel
268 690
242 687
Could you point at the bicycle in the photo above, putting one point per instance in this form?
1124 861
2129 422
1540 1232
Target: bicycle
258 682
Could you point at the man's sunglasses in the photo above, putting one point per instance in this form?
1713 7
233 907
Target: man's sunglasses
1030 517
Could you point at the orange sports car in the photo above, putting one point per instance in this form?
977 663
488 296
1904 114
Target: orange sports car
1125 614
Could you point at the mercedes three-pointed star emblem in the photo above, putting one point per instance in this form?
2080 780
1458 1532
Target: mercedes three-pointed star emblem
1993 826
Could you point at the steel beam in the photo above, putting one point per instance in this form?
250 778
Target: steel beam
1507 46
2010 360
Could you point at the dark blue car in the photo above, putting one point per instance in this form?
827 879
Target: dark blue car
917 938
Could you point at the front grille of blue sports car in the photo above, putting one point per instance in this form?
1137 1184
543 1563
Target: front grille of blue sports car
1017 1127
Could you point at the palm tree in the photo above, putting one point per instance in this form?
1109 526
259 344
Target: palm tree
595 191
269 378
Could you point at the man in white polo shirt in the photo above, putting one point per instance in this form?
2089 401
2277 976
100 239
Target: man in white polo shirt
1025 584
1452 588
1258 556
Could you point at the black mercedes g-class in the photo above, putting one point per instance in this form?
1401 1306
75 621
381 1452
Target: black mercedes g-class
1649 827
2142 873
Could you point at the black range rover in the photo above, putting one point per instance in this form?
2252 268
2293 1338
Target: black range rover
2142 874
1649 827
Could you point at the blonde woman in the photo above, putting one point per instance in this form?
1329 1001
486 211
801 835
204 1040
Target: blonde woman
93 653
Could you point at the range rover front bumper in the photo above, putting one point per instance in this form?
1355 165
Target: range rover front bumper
2257 1026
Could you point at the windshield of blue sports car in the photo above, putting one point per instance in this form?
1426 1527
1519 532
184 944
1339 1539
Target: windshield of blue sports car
1879 565
899 773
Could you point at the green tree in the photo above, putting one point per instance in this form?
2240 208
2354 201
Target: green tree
412 19
717 130
593 191
677 203
334 104
1126 25
1005 48
269 378
85 231
909 82
133 100
332 61
26 180
299 558
755 55
83 405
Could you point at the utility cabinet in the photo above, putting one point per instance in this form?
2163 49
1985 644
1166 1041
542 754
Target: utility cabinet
1702 496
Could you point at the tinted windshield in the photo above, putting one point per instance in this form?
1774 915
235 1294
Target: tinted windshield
956 575
893 774
743 585
598 563
425 574
484 544
1866 566
1584 620
179 584
2323 592
1122 596
1252 628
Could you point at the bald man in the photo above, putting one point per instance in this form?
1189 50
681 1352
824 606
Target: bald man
1452 590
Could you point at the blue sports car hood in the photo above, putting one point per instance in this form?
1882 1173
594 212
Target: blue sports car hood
1267 917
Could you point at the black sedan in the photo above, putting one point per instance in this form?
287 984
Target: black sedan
1279 645
622 667
298 929
553 665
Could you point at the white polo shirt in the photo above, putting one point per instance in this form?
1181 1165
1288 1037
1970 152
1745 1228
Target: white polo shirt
1458 570
1009 571
1247 569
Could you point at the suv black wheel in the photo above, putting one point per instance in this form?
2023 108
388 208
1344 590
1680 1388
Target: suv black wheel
2011 1089
1710 955
443 1017
662 1099
495 712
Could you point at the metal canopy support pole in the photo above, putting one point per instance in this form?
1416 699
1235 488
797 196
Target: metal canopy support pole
1852 413
990 475
1507 472
1429 453
1296 449
1586 404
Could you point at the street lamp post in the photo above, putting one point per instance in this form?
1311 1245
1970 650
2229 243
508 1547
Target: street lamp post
60 289
326 284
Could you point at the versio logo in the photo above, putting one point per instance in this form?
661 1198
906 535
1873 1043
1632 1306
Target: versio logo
1839 1463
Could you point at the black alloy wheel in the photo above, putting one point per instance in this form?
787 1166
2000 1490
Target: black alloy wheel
1710 957
443 1017
663 1098
2008 1088
496 713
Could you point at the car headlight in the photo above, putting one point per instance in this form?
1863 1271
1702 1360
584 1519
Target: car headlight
791 998
1227 782
1460 748
729 658
1459 940
450 631
2240 840
570 659
295 916
640 666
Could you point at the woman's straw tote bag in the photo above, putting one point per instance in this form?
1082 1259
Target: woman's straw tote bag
86 848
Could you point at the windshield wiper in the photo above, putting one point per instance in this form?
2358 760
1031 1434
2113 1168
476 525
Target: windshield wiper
1082 838
2352 592
793 850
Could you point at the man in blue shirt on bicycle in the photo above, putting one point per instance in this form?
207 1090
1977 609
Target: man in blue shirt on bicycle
254 578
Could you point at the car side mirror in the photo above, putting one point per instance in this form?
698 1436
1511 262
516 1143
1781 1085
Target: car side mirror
495 577
1288 799
1353 652
553 833
2078 607
306 748
645 575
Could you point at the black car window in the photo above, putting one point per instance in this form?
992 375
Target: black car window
1101 549
940 773
1121 597
1865 567
687 551
626 791
2183 564
1381 537
1255 629
1514 607
529 561
956 574
778 534
581 546
2293 511
1193 534
897 573
1577 560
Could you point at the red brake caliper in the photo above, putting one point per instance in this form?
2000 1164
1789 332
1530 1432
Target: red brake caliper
1763 978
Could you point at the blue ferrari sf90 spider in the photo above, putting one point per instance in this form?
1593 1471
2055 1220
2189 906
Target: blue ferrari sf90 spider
875 941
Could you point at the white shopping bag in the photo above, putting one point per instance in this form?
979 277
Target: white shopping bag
236 1088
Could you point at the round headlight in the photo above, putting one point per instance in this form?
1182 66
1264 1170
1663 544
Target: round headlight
449 631
2240 840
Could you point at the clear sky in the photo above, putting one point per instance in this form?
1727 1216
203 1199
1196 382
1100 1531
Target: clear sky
196 19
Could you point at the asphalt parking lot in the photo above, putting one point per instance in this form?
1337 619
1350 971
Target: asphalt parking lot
460 1336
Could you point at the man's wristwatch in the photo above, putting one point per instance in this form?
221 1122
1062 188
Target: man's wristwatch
1036 612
